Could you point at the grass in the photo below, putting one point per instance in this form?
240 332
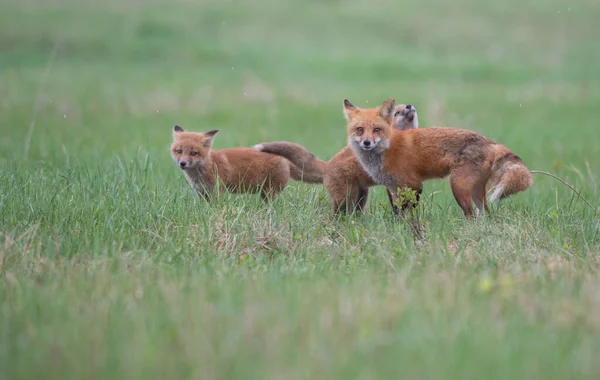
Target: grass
111 268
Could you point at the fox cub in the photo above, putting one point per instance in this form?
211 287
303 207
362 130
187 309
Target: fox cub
343 176
406 159
239 170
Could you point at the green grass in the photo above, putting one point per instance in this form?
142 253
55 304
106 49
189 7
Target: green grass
111 268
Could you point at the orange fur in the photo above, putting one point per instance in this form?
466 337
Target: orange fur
343 176
406 159
239 170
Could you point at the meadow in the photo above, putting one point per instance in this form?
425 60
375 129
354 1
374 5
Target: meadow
111 268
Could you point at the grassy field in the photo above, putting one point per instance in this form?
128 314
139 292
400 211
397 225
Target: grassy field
111 268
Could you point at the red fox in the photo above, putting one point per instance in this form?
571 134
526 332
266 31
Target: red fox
239 170
343 176
406 159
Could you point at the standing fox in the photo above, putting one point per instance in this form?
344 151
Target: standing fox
406 159
239 170
343 176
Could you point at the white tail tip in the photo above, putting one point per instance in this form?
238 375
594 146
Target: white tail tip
259 147
496 193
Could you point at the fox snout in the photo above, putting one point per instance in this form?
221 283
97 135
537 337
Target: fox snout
367 143
405 117
186 162
409 111
189 164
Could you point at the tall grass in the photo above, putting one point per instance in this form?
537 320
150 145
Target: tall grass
111 268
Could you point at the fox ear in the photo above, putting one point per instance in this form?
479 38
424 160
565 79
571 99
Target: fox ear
210 137
177 129
349 109
386 111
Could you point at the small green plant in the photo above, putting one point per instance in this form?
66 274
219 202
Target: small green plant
408 201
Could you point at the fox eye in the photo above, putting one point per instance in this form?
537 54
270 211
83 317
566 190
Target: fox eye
397 113
179 151
193 153
377 130
359 130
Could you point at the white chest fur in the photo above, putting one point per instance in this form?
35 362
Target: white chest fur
198 181
372 162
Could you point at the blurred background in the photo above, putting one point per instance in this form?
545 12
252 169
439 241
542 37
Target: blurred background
101 78
111 268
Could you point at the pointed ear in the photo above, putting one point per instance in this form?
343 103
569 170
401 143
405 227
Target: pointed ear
386 111
349 109
210 137
176 129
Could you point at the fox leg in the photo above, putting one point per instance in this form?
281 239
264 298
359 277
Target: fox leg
339 202
392 199
342 203
267 191
203 193
346 193
392 192
347 198
267 195
479 198
361 199
339 207
461 186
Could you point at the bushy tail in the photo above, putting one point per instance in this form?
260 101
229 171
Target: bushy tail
304 166
509 174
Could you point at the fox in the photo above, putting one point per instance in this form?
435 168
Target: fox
344 177
401 159
238 170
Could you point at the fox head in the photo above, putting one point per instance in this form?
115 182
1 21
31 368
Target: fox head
190 149
405 117
369 128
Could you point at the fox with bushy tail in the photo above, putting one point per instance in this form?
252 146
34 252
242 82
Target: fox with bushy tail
343 176
239 170
405 159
